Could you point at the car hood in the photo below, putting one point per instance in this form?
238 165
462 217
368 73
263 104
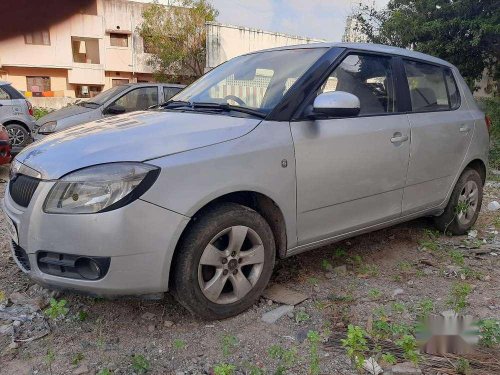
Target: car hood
65 112
138 136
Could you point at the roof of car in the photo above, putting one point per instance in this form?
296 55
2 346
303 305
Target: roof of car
370 47
2 83
142 84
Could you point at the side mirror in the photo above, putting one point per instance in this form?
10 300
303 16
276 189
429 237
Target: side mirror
336 104
115 109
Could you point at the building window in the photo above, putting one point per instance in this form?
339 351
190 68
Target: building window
118 40
38 37
84 91
85 50
119 82
38 84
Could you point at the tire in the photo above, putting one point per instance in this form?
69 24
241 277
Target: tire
18 135
215 236
458 218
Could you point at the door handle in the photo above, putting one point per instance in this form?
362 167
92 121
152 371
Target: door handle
465 128
398 138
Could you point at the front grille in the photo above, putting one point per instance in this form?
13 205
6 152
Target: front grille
22 188
21 256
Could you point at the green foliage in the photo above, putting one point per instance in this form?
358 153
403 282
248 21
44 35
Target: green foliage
140 364
339 253
463 367
461 32
410 348
355 344
489 330
229 344
425 307
40 112
224 369
178 344
104 371
326 265
457 257
301 316
313 280
389 358
369 270
491 106
82 315
56 309
286 357
176 37
398 307
459 294
314 339
77 358
374 294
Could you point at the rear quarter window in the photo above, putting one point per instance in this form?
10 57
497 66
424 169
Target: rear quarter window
432 87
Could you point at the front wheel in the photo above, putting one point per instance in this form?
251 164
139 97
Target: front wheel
18 135
465 203
224 262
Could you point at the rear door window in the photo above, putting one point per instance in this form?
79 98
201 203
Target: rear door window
4 95
139 99
432 88
169 92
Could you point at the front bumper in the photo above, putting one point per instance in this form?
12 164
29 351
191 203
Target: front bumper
139 238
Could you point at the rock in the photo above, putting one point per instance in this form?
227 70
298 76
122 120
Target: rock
148 316
5 329
340 270
272 316
23 300
428 271
405 368
493 206
13 345
372 366
397 292
472 234
81 370
16 323
301 335
168 323
269 302
281 294
317 289
330 275
151 328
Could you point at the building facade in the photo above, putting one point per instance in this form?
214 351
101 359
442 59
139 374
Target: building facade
353 33
81 56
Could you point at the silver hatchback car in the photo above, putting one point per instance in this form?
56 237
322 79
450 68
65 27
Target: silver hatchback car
270 154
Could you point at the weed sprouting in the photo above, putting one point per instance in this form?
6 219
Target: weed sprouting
459 295
356 344
56 309
224 369
140 364
489 330
314 339
229 344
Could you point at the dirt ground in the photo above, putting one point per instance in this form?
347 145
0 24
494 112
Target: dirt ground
390 273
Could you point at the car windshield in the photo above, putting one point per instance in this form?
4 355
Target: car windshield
103 97
256 81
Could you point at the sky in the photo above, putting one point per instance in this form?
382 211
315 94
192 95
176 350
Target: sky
321 19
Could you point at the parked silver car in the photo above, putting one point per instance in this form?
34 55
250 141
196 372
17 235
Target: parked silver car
271 154
16 114
117 100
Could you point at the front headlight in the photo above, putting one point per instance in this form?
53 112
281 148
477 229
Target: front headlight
100 188
48 127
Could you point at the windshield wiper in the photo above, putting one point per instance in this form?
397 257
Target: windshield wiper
173 104
84 102
228 108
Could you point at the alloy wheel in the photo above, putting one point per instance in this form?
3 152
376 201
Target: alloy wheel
231 264
16 136
468 202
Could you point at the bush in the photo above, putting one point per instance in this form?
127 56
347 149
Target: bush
491 106
40 112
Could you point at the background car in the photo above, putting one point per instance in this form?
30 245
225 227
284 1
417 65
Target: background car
16 114
115 101
4 146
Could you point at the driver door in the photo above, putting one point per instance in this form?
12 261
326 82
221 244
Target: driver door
351 171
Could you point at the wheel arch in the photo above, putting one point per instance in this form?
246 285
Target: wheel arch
478 165
16 122
259 202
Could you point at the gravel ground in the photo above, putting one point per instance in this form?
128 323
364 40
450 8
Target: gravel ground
382 268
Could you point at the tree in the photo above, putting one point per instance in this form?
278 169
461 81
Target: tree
176 37
463 32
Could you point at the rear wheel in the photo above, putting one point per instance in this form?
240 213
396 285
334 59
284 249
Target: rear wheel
224 262
465 203
18 135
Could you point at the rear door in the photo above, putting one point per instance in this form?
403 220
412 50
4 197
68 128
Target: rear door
441 131
351 171
5 105
169 92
